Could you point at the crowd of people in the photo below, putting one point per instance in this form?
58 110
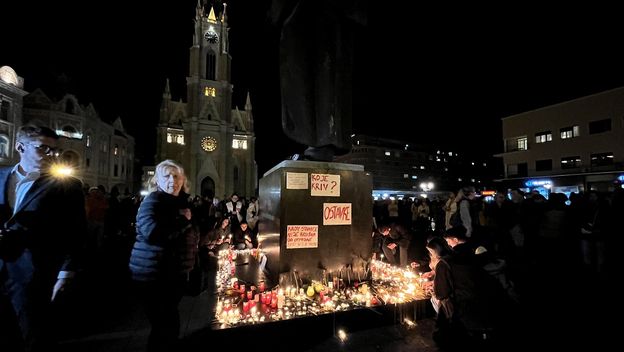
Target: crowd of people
479 255
472 251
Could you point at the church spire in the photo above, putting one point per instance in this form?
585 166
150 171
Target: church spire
248 102
211 17
167 92
224 15
199 10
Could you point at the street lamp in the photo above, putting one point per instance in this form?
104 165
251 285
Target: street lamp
426 186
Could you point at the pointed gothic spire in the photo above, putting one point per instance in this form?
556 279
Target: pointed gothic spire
224 15
211 17
199 10
167 92
224 42
248 102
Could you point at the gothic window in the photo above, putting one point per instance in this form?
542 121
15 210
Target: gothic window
4 110
4 146
239 143
211 65
210 92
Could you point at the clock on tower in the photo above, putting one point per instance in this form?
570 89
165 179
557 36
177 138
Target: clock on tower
208 144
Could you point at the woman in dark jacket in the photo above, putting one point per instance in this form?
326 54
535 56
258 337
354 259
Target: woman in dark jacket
164 253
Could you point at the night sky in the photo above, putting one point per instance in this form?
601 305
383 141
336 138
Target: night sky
415 70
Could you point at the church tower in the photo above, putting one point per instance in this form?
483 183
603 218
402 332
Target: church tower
215 143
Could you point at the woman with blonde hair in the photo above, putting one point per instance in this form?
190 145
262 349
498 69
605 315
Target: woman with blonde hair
164 252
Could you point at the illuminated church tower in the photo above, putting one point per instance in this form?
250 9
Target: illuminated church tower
215 143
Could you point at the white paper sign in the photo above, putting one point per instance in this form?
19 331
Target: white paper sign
302 236
325 185
296 180
337 214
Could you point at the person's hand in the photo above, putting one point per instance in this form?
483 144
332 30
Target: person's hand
186 213
392 245
428 275
60 286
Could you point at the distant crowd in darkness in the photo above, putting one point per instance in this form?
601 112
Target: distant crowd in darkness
456 242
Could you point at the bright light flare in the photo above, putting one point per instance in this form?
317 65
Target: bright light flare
59 170
342 335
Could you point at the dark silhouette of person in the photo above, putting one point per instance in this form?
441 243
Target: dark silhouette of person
41 239
316 62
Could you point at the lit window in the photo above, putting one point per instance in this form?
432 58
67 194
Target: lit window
422 167
69 132
88 141
601 159
210 92
405 175
239 143
523 143
387 153
150 173
116 150
543 137
414 177
450 153
570 162
175 136
569 132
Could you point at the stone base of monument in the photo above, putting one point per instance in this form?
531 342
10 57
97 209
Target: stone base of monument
315 220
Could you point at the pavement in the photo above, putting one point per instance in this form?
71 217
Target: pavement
562 307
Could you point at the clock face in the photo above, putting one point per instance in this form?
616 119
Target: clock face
208 144
211 37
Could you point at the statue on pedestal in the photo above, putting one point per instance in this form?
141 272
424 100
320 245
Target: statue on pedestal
316 64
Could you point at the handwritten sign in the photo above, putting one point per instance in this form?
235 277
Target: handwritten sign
302 236
337 214
325 185
296 180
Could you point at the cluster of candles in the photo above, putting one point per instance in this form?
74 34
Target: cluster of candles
244 303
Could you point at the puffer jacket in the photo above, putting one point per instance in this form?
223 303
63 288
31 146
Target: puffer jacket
166 242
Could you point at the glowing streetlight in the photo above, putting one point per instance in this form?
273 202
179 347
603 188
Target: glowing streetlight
427 186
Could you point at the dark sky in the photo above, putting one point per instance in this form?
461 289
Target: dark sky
416 70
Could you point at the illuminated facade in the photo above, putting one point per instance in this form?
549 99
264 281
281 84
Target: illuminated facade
214 143
101 153
571 146
11 101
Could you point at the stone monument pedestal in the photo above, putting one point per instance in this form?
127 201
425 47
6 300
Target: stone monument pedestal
315 218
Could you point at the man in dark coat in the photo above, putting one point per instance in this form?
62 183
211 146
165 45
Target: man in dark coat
43 231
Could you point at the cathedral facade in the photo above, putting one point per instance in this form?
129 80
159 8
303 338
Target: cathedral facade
214 143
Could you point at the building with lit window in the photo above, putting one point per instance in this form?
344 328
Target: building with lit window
568 147
98 152
11 99
401 168
214 143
